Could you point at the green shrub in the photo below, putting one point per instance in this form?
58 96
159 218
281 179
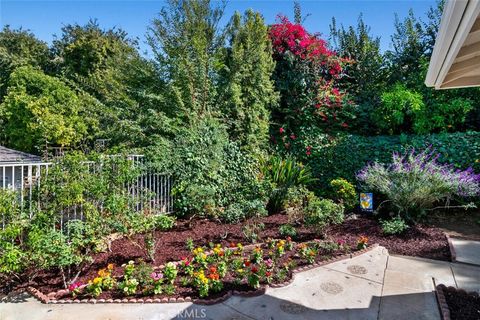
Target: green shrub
287 230
414 183
344 192
398 109
296 197
164 222
210 172
239 211
344 155
284 174
393 226
320 213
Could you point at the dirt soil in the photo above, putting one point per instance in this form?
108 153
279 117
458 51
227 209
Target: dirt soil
459 223
462 305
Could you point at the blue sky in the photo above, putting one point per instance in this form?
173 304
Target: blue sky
45 18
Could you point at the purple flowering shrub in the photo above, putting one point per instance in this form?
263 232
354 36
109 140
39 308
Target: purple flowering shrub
414 183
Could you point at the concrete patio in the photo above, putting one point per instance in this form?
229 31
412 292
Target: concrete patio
375 285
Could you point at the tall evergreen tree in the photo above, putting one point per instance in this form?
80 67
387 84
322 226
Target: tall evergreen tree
186 40
364 76
247 89
408 51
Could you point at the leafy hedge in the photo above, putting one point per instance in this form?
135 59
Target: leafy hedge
345 155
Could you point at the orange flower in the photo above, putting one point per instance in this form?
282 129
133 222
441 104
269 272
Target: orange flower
110 266
214 276
363 239
213 269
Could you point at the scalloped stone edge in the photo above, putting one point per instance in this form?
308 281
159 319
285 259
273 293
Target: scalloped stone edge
51 297
442 301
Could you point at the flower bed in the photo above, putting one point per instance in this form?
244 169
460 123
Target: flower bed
420 241
206 276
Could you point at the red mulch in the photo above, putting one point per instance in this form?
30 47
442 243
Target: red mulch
422 241
419 241
462 305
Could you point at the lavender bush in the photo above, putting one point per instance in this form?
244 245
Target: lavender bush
414 183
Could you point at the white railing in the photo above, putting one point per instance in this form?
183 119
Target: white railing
22 177
150 190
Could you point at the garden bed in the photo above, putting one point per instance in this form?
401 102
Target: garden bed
423 241
418 241
457 304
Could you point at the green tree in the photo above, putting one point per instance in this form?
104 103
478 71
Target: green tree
408 52
398 109
107 65
247 90
40 109
19 47
364 77
186 40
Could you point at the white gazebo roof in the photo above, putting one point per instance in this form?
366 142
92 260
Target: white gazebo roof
13 156
455 61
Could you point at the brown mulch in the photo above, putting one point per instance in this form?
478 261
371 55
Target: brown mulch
418 241
463 305
422 241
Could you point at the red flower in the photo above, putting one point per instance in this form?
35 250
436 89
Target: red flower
268 274
282 130
247 263
345 125
254 269
213 269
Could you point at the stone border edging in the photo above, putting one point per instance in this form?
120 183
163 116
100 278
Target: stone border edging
442 301
51 297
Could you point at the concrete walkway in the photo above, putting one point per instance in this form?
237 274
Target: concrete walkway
374 285
466 251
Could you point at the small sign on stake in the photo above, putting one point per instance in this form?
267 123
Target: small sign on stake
366 201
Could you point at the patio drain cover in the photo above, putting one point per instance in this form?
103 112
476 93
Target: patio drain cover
292 308
356 269
331 287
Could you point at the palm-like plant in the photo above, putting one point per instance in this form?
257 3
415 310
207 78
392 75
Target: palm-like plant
284 174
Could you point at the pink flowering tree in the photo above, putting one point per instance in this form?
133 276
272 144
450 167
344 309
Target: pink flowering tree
306 76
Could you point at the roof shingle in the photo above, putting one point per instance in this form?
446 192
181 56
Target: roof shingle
10 155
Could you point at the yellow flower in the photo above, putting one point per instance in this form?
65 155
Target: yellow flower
197 251
97 280
110 266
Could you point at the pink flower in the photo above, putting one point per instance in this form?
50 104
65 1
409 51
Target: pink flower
282 130
156 276
269 263
74 286
293 137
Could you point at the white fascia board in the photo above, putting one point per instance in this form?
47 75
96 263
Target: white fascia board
468 19
453 12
